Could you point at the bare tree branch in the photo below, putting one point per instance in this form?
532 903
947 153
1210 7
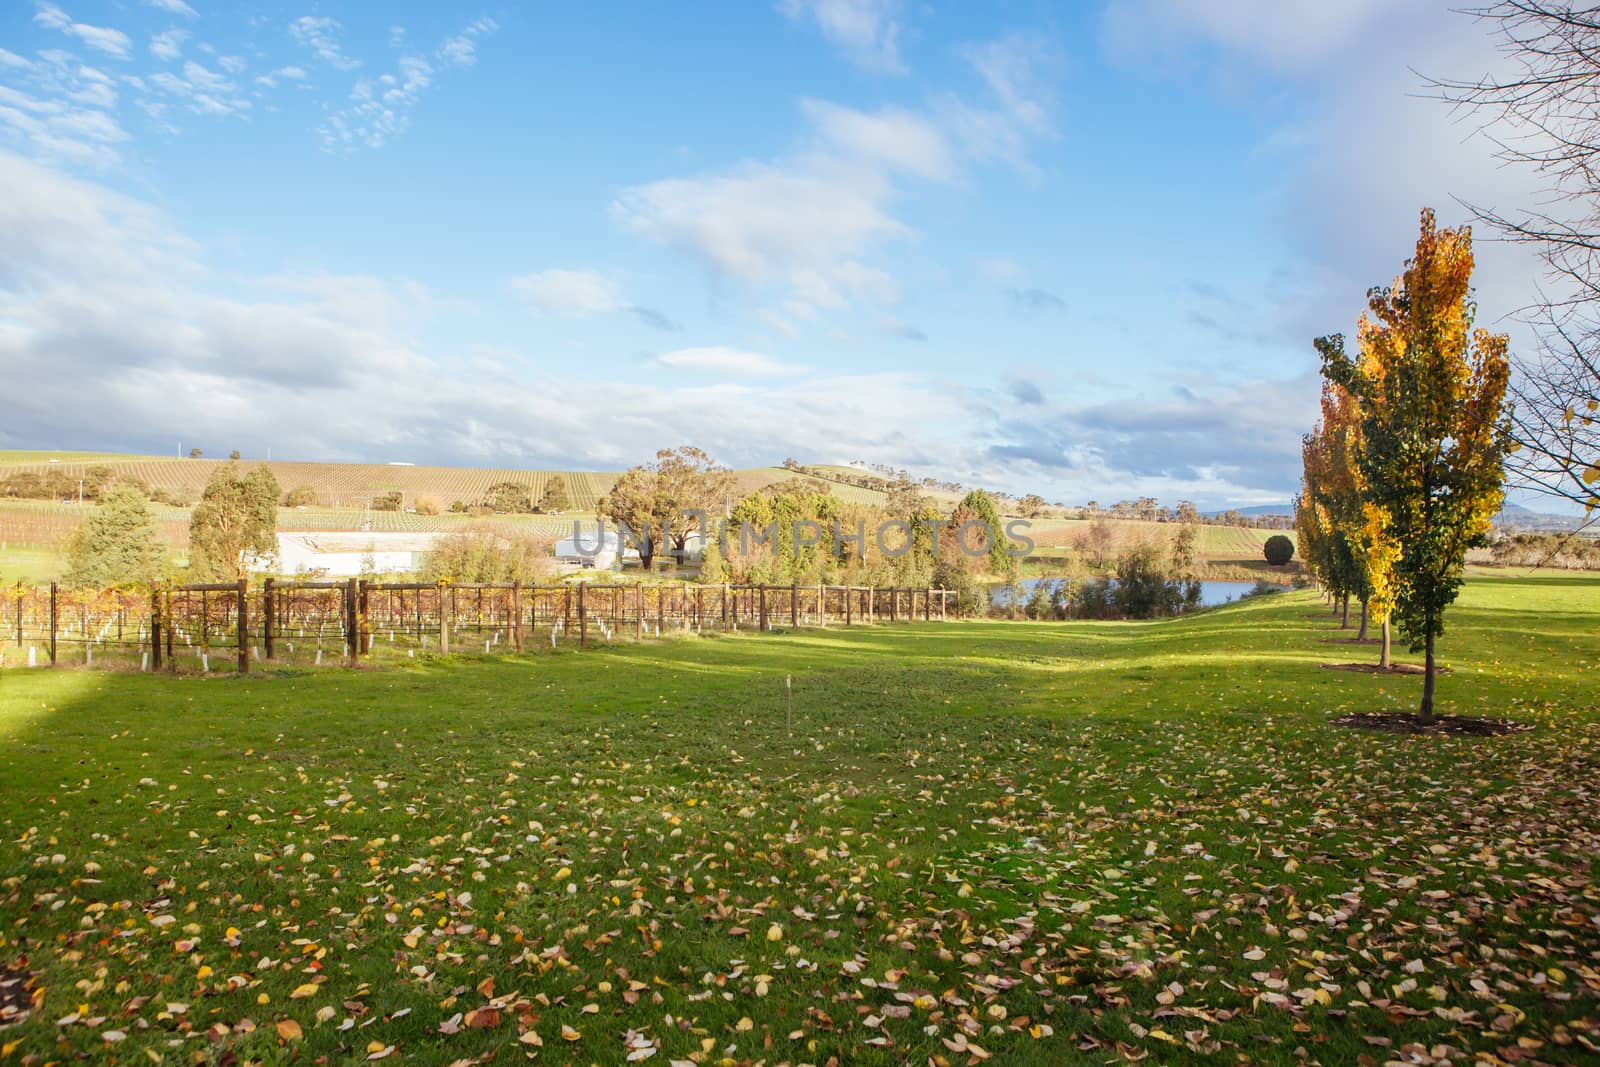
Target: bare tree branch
1544 114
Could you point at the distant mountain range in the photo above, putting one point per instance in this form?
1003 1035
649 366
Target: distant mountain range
1515 516
1512 516
1257 509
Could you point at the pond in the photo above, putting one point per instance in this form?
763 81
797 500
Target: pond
1211 593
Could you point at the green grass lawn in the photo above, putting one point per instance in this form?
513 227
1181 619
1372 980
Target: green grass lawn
1043 843
31 564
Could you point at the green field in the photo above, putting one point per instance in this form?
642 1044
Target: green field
30 564
42 457
1045 843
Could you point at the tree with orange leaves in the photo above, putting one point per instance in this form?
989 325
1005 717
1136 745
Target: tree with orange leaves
1358 546
1431 389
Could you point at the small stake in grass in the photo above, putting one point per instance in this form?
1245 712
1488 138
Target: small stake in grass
788 690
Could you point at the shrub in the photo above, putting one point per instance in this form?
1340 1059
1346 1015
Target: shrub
300 496
389 501
509 497
1143 589
954 573
1278 550
1049 600
482 553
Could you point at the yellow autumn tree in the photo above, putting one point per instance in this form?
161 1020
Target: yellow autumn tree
1431 389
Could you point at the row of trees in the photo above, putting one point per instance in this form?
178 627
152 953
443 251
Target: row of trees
235 519
685 496
1404 471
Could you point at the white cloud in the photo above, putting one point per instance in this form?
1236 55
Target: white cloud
11 59
67 124
380 108
895 137
202 90
809 219
866 31
762 218
721 359
1285 36
168 45
461 49
112 42
570 292
582 293
1002 270
1015 67
285 73
172 7
320 34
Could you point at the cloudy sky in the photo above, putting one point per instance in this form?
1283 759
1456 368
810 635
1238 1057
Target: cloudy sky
1074 249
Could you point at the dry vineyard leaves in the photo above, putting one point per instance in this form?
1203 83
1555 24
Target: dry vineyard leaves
1092 844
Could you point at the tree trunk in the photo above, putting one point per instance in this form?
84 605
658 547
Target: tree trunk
1383 659
1362 636
1344 624
1425 714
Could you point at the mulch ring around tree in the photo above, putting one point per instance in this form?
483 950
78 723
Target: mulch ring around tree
1352 640
1373 668
1405 722
16 995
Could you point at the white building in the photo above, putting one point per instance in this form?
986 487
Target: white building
599 549
347 553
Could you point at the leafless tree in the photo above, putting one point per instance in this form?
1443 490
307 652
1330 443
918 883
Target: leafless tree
1543 112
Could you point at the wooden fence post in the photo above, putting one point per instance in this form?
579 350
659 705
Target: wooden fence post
794 604
166 613
927 604
724 607
583 619
763 615
269 616
849 595
822 607
444 621
19 614
638 613
516 614
155 628
242 627
364 616
53 620
352 626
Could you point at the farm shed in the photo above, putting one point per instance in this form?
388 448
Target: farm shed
347 554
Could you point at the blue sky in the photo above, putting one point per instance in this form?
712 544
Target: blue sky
1074 249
